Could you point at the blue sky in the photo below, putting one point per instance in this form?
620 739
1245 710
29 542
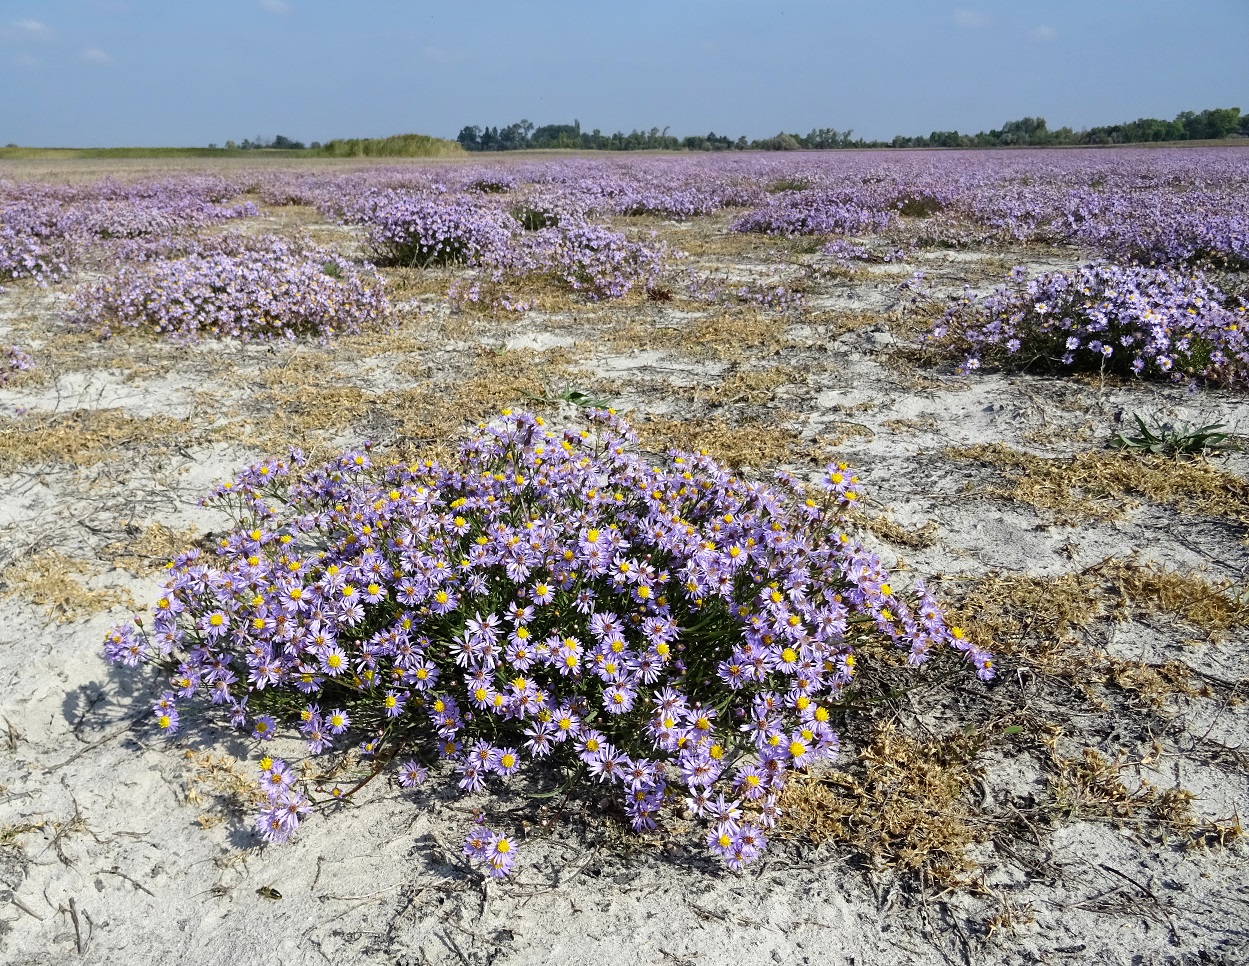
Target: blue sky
190 72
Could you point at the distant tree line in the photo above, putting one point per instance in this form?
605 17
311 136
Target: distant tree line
1213 124
281 142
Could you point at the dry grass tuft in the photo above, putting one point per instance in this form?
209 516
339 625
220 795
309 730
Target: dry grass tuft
9 834
433 413
747 444
726 335
148 549
1100 484
924 424
408 283
1050 624
902 804
222 779
1092 785
308 415
885 528
83 437
1213 607
755 387
729 335
831 324
842 430
51 580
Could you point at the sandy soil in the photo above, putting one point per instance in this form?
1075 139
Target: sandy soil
119 847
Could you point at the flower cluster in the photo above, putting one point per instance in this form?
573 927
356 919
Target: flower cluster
44 228
812 213
549 242
30 245
846 253
271 290
497 852
13 360
717 288
1133 321
284 804
416 232
668 631
1174 229
577 255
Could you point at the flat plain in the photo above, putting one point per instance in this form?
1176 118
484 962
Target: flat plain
1083 806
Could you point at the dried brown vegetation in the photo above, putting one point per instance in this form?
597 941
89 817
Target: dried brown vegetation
147 549
1103 485
56 582
84 437
902 803
1090 784
746 444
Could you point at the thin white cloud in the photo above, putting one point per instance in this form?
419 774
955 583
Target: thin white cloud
96 56
1043 33
276 6
971 19
33 28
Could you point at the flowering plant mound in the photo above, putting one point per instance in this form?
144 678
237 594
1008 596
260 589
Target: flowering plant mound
575 255
12 361
669 632
416 232
1194 229
270 290
583 257
46 228
812 213
1133 321
31 245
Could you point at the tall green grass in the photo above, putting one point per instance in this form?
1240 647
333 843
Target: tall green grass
396 146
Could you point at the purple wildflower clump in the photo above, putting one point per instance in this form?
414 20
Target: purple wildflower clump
12 361
1198 228
718 289
846 253
812 213
1146 322
667 631
270 290
31 243
152 217
596 261
45 228
284 805
579 256
413 231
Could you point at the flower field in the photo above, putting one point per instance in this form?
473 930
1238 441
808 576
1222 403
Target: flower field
396 557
